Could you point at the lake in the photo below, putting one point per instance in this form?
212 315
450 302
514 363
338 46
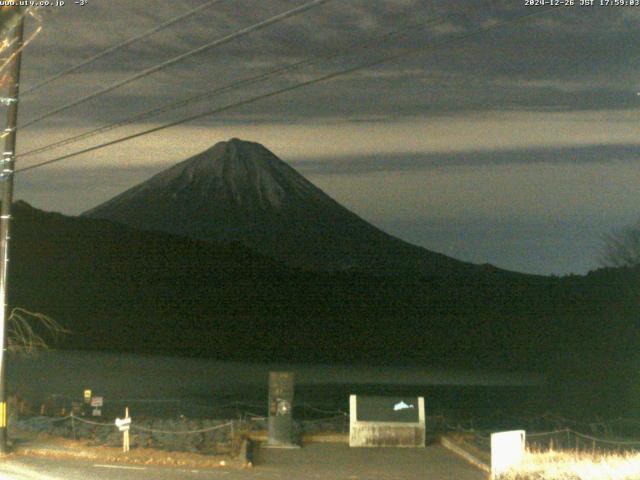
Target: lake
205 387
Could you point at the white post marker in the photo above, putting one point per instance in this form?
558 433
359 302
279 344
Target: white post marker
507 451
123 425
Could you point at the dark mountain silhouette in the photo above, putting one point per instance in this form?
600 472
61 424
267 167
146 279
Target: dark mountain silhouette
120 289
239 191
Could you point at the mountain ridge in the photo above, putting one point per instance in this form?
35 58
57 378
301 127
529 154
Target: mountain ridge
240 191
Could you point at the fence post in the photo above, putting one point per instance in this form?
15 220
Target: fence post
73 426
125 434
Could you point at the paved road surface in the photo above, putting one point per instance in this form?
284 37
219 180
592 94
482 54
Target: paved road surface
332 461
314 462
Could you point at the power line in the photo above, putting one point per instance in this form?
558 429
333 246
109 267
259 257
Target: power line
148 71
239 83
216 91
274 93
118 46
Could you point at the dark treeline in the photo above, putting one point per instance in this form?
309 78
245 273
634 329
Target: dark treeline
121 289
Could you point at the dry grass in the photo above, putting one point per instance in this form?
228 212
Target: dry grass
554 465
53 447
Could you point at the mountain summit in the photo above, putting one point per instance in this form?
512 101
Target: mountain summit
239 191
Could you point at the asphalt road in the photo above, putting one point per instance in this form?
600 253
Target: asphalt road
317 462
39 468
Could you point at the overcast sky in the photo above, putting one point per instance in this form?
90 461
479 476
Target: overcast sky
517 146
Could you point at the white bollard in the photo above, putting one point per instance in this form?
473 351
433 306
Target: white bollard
507 451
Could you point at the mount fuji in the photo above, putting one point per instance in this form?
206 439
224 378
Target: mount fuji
239 191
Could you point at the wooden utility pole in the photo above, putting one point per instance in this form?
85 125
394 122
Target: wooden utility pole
6 179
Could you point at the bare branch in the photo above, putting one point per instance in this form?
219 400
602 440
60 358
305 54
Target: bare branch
22 336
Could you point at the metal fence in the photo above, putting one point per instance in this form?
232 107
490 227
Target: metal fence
198 436
187 425
555 432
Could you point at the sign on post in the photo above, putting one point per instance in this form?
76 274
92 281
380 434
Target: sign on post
123 425
507 451
87 396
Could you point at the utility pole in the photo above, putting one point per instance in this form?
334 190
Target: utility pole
6 179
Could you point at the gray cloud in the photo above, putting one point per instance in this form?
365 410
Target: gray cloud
565 57
361 165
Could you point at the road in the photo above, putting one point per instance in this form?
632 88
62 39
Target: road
317 462
41 468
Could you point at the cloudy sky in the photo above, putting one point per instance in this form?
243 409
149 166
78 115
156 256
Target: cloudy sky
508 135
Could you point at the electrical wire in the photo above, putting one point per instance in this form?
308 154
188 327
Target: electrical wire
216 91
239 83
148 71
118 46
183 432
274 93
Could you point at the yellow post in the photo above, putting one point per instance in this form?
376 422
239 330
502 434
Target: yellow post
125 434
3 414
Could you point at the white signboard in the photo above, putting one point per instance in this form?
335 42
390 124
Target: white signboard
96 412
97 401
386 422
507 451
123 424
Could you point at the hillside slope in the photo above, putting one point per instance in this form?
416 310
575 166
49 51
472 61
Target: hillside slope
239 191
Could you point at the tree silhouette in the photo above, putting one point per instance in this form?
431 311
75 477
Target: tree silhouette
622 247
